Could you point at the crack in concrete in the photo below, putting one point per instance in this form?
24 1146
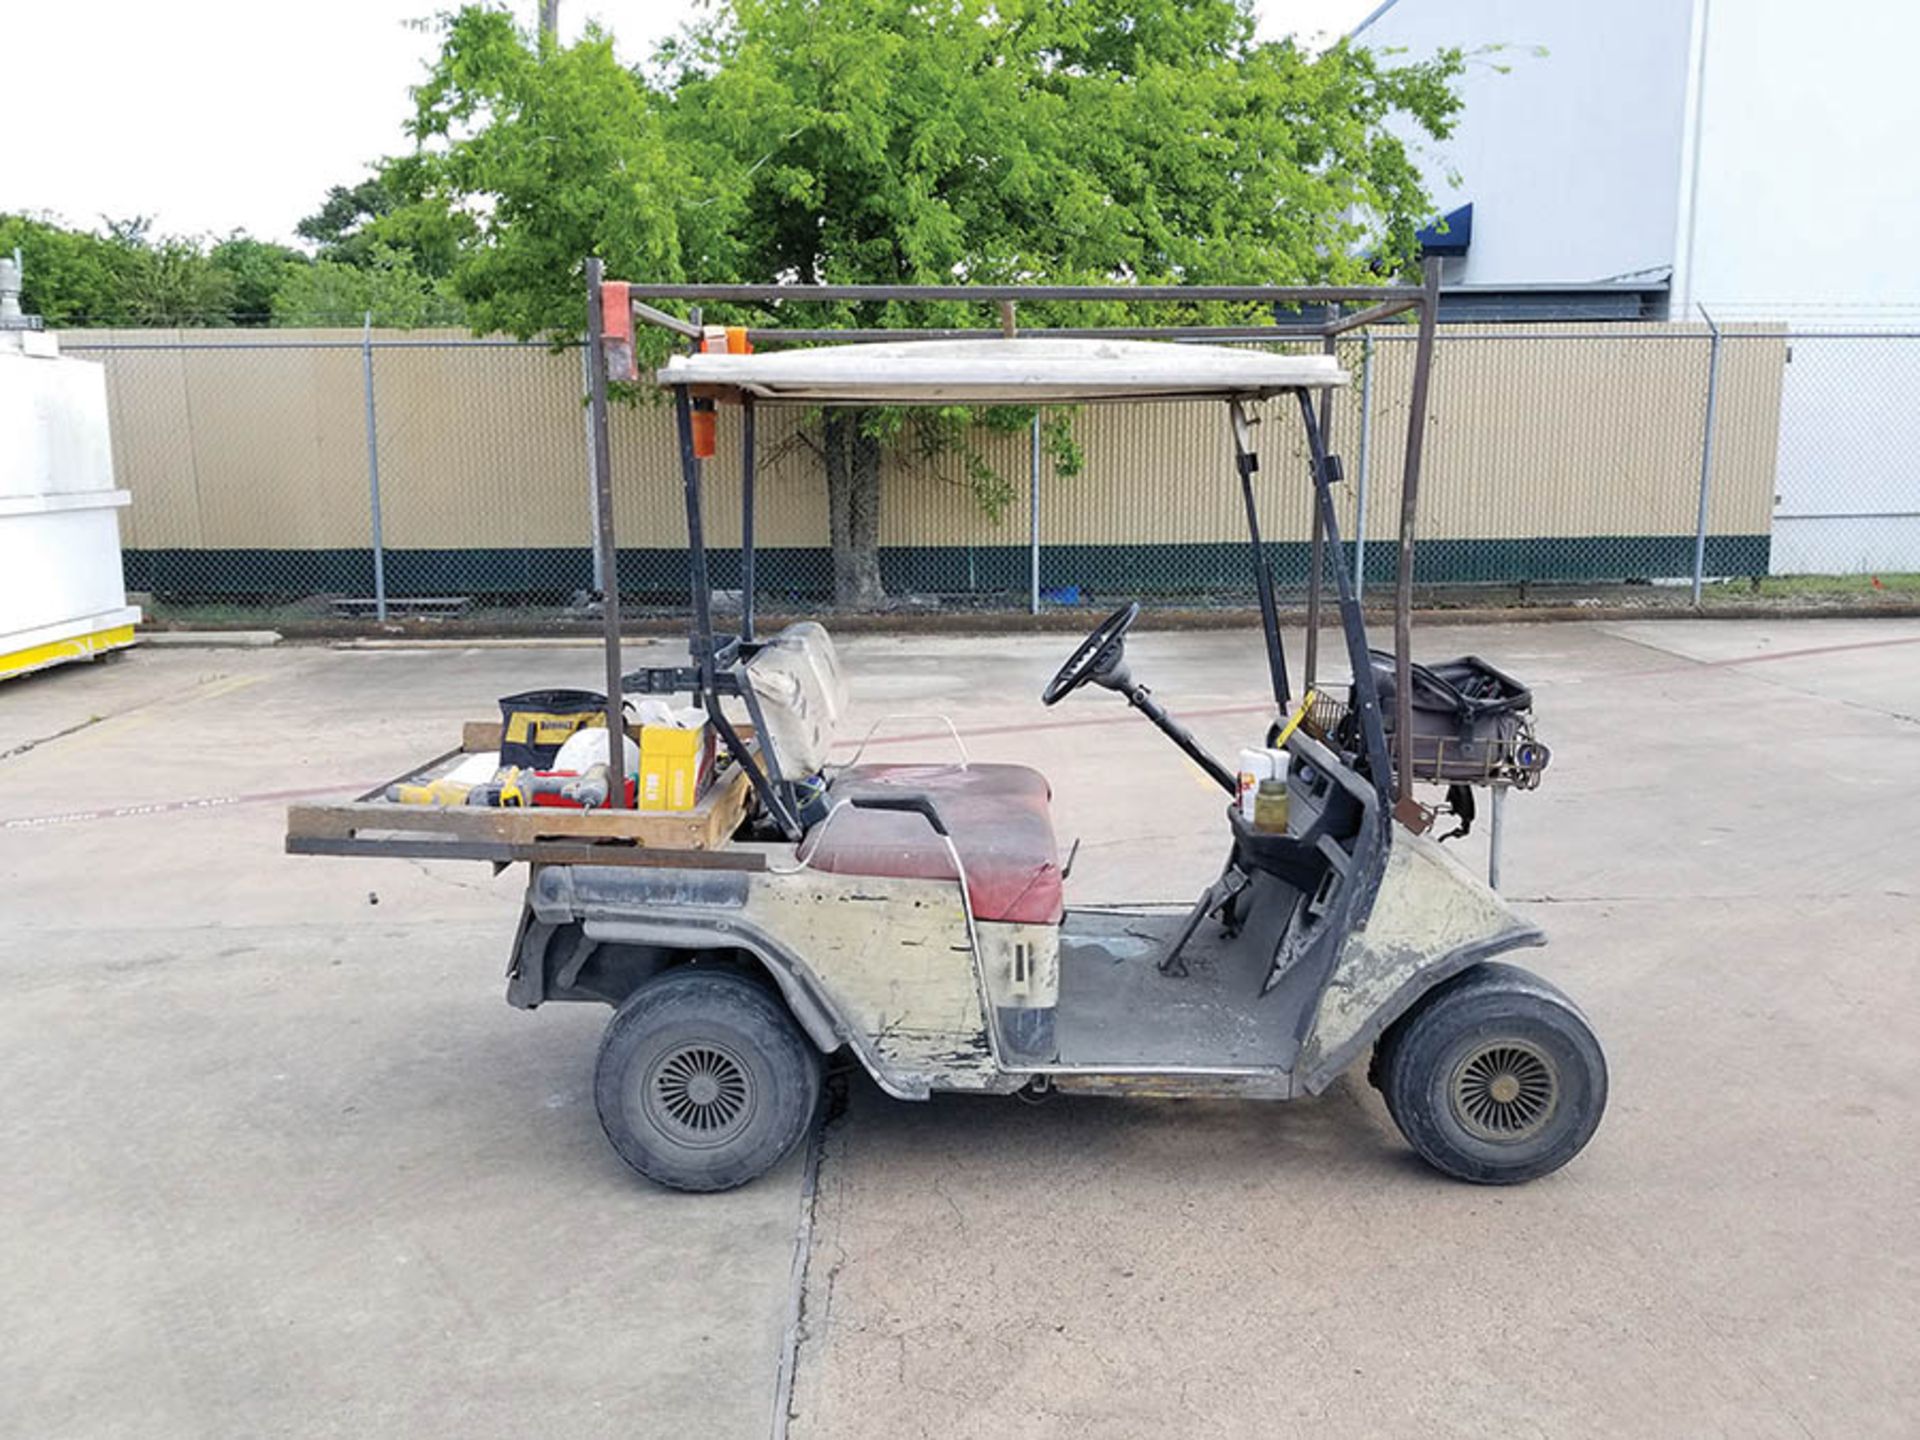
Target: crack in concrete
92 720
1900 716
1729 896
793 1334
1685 663
38 741
447 880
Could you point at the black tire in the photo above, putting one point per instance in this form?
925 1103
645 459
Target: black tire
704 1082
1494 1077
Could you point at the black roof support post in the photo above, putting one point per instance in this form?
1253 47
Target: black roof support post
747 462
1246 460
696 542
1366 692
609 553
1405 808
1317 549
773 794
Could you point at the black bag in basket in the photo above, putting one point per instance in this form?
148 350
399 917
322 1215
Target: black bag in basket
1472 723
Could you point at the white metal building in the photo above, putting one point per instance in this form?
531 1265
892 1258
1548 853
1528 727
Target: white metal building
1749 158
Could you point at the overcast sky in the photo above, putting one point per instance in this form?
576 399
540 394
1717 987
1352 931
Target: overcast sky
218 115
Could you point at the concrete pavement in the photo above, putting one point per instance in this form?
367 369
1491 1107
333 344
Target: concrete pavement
1725 856
279 1161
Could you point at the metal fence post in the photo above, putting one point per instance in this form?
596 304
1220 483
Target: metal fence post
1033 523
1360 484
1706 457
373 471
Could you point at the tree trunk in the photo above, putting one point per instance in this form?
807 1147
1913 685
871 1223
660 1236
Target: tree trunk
853 511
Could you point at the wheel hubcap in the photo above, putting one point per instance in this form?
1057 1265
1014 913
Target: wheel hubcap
700 1095
1505 1091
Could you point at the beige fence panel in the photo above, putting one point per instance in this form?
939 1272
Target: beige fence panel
1551 454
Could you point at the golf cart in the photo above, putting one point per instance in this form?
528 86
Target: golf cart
911 916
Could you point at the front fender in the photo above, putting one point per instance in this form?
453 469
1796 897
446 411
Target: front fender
1431 919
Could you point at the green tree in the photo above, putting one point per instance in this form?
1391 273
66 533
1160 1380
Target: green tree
893 141
255 271
395 208
561 153
386 285
72 277
347 210
124 277
174 283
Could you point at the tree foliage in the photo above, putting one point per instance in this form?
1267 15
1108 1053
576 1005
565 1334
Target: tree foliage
385 285
394 210
255 271
125 276
72 276
893 141
555 153
889 141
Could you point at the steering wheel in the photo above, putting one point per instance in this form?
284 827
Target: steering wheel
1098 653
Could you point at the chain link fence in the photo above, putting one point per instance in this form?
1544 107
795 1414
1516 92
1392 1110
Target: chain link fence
1847 488
342 472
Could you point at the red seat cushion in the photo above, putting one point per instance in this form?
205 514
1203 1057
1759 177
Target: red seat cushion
998 816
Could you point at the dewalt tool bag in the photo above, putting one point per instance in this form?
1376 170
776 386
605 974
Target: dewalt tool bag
534 725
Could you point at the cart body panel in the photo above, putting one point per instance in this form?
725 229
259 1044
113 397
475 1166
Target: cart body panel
883 966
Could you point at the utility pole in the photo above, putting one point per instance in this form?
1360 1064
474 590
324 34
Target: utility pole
550 19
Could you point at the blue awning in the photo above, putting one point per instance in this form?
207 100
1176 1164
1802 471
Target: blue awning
1457 235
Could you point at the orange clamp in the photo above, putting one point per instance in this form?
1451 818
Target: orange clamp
616 310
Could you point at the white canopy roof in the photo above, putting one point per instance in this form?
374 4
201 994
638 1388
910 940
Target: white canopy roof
1022 370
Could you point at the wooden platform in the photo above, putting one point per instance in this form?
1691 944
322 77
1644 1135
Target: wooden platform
373 825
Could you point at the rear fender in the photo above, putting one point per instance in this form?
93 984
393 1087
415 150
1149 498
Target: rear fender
699 911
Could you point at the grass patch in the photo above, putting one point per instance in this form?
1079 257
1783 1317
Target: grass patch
1816 587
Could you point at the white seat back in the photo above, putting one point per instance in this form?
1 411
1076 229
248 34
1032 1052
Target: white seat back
803 696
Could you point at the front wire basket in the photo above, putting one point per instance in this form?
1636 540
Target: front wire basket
1326 717
1516 758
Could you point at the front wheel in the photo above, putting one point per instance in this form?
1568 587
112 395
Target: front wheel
704 1082
1494 1078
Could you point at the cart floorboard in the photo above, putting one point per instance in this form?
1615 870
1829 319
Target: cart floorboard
1117 1008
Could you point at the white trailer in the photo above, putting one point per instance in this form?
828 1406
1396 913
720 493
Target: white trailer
62 595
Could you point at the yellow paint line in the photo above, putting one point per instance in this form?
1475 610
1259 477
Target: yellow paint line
115 726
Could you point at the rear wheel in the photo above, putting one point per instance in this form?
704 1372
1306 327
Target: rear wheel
704 1082
1495 1077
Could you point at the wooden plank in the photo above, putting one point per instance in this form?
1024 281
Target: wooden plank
479 736
539 852
729 807
708 826
321 822
373 826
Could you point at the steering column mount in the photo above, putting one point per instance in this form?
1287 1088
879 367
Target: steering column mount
1101 659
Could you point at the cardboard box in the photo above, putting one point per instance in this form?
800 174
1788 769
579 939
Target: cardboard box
674 764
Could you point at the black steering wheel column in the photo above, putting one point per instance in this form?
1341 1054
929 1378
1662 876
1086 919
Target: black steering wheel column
1101 659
